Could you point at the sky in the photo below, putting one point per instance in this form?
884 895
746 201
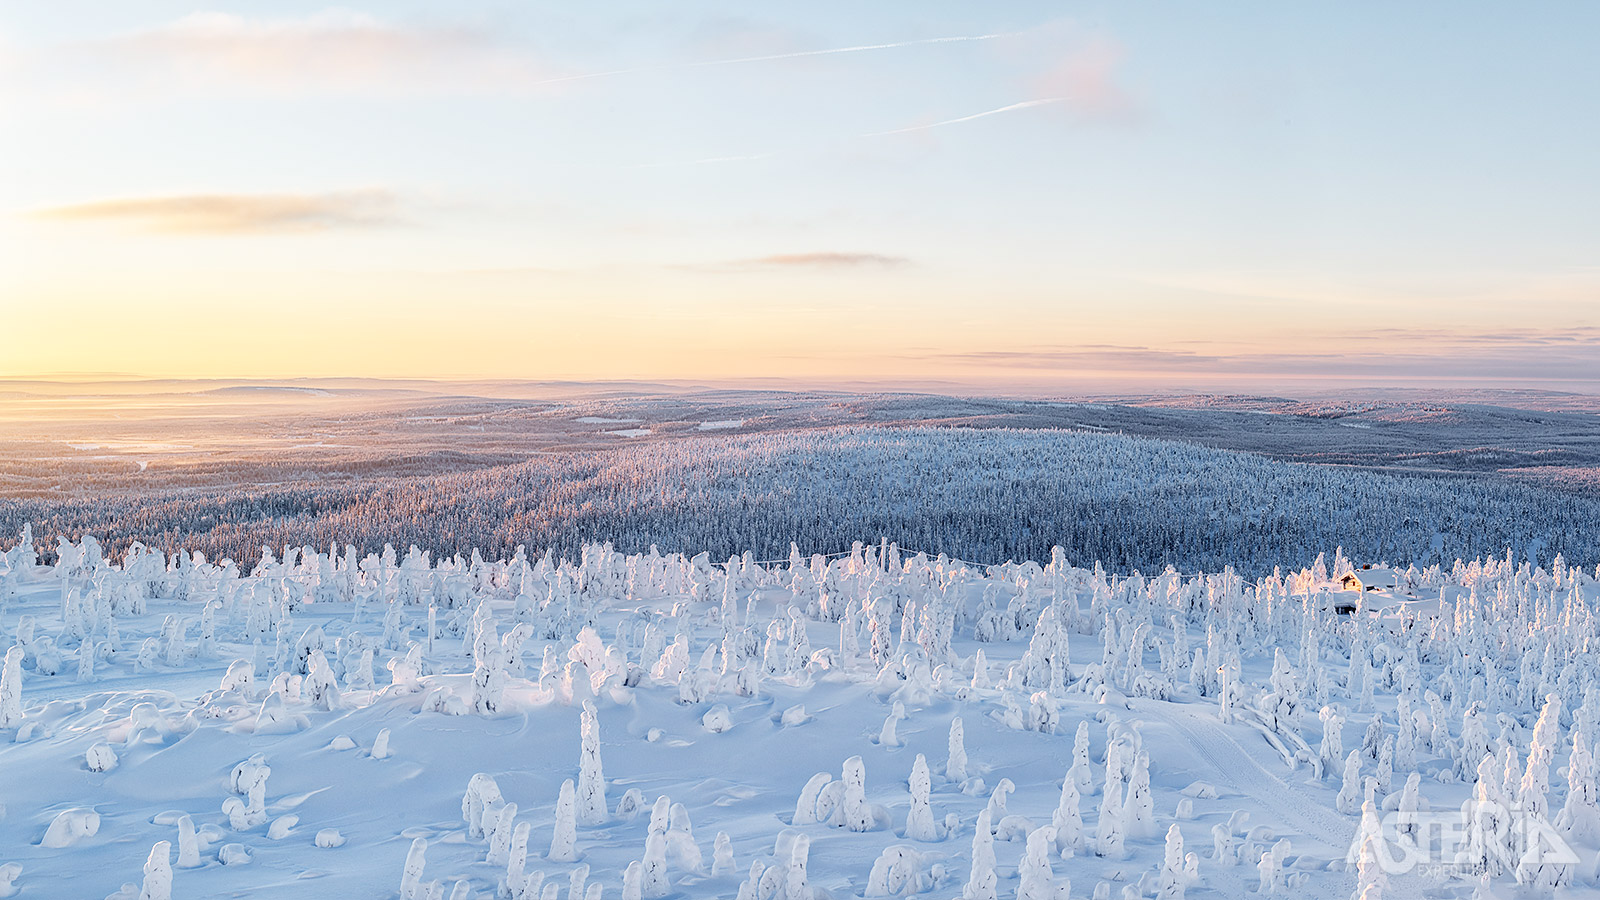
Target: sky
1082 195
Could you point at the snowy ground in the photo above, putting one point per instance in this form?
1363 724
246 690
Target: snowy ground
1209 688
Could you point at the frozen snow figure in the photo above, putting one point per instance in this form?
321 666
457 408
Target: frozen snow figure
920 825
158 873
981 883
564 843
11 689
591 777
955 767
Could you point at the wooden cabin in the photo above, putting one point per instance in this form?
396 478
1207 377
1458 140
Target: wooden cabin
1370 579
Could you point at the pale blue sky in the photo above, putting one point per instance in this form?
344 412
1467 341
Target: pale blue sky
1247 191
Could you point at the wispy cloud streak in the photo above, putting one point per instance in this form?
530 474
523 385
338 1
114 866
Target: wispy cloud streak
237 213
774 57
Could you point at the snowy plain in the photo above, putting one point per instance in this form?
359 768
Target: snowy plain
400 726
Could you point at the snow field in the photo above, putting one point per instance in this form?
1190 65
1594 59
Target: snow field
874 725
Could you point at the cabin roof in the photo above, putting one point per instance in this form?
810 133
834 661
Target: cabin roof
1376 577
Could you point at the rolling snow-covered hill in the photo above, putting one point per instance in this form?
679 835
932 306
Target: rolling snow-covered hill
988 495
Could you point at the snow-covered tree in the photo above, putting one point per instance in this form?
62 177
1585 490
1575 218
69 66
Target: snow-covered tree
955 766
564 842
857 813
411 885
1140 811
158 873
920 825
1067 820
1036 881
1111 826
982 881
1178 870
11 688
591 775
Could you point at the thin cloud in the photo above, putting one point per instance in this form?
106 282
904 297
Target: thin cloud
830 260
229 214
1532 359
817 261
333 49
1087 78
343 49
1083 80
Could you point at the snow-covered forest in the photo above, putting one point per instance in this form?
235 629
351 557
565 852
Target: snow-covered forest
875 724
989 495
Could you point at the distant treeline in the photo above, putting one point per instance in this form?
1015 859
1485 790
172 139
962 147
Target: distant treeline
983 495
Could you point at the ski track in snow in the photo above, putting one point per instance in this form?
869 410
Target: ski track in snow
1237 769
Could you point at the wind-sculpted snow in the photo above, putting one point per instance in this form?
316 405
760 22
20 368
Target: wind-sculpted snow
875 724
988 495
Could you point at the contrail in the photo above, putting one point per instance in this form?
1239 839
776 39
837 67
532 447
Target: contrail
776 56
1026 104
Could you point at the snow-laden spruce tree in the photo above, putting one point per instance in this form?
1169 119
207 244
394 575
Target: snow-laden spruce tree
591 775
1542 748
11 689
1178 870
681 846
653 877
576 880
982 881
1223 850
1331 750
158 873
188 844
1371 880
1475 741
1036 881
805 808
489 677
1140 810
1409 805
1487 822
857 813
1269 879
722 855
1348 801
480 805
321 688
1067 820
1080 772
920 824
564 842
1579 819
1111 827
997 800
955 766
411 885
1385 774
500 834
980 671
887 735
86 657
516 877
896 872
250 779
633 882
